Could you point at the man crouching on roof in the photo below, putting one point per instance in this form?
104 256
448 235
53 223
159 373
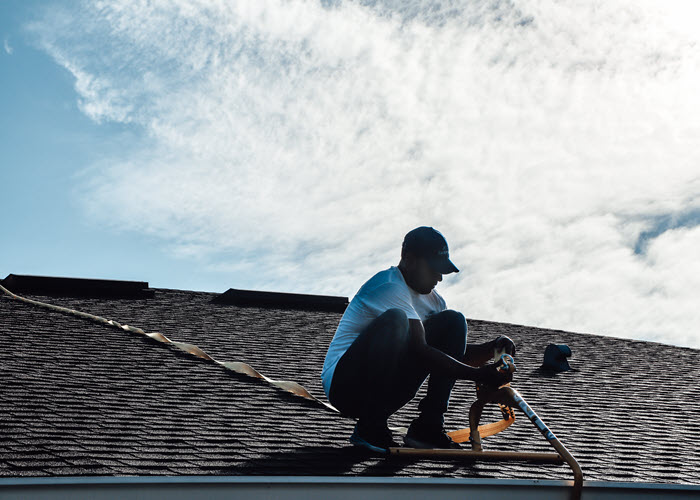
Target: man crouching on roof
395 332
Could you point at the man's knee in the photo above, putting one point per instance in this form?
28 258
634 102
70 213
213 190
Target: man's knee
455 321
395 321
447 331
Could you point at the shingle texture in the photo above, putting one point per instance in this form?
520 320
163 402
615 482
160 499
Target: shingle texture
80 398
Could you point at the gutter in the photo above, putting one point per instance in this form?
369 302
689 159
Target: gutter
321 488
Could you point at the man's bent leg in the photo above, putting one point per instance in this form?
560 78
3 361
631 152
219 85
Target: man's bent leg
446 331
369 374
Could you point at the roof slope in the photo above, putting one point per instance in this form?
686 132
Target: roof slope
82 398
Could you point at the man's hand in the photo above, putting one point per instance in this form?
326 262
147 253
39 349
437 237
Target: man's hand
502 343
490 375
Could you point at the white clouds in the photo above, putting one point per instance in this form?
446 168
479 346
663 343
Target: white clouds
7 47
297 143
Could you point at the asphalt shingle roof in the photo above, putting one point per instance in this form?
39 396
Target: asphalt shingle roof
82 398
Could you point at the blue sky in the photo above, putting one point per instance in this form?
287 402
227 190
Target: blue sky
47 144
289 146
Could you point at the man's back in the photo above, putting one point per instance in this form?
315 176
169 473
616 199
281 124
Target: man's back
385 290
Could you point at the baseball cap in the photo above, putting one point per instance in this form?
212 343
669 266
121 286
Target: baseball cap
430 244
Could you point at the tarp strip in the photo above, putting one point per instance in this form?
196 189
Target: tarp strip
193 350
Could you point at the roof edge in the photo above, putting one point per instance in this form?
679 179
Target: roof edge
254 298
48 480
321 487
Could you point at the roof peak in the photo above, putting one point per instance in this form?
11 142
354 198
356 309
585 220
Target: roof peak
77 287
282 300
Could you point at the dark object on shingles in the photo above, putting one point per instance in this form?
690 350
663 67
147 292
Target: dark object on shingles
555 358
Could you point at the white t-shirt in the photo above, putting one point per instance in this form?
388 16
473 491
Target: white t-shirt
385 290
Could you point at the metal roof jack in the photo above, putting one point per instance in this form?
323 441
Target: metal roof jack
508 398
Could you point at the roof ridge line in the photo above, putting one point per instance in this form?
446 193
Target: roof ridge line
191 349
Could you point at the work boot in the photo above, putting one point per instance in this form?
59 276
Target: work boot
423 434
374 436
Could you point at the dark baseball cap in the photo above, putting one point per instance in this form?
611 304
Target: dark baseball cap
431 245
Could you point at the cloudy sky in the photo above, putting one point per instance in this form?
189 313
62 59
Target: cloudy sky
289 146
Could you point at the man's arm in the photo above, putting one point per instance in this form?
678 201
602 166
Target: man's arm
438 361
479 354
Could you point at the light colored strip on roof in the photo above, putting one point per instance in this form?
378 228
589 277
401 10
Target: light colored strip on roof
234 366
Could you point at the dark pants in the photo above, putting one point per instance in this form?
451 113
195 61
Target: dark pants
379 373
